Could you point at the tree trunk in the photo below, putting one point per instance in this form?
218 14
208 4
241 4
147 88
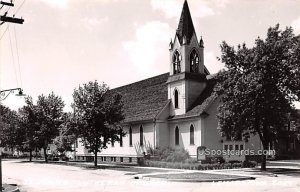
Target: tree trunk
264 157
45 154
36 153
30 155
95 159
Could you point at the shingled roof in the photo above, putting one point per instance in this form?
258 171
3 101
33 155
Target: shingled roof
143 100
185 26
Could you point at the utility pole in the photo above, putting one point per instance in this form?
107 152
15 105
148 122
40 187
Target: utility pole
4 18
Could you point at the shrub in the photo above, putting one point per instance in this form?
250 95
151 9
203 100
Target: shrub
170 155
249 164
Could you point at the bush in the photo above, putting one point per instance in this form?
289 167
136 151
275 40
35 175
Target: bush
192 166
171 155
249 164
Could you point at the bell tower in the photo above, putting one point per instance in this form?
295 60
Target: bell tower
187 77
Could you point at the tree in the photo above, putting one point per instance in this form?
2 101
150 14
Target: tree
67 135
98 115
49 113
29 123
259 86
10 132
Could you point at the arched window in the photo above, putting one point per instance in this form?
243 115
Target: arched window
130 136
141 135
194 59
176 136
192 135
121 138
176 95
176 62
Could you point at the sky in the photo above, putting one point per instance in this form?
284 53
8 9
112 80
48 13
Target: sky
66 43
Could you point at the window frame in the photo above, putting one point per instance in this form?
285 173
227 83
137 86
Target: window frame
194 61
176 99
177 133
141 135
192 135
176 60
130 136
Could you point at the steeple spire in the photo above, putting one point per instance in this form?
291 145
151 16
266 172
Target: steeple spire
185 26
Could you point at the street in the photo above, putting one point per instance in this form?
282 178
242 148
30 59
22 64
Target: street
39 177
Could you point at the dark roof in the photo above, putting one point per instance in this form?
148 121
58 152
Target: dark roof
143 100
185 26
201 104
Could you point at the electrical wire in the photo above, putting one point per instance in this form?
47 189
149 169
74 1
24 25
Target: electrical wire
20 7
18 57
13 58
4 32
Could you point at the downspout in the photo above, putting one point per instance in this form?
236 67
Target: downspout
154 132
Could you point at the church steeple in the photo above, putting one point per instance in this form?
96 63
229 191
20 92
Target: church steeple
185 30
187 78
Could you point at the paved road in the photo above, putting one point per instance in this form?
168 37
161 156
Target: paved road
34 177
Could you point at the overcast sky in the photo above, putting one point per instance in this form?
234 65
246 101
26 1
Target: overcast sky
65 43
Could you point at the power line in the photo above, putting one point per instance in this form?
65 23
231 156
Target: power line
20 6
19 66
13 58
4 32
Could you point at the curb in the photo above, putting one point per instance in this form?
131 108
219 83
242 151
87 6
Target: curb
211 180
194 180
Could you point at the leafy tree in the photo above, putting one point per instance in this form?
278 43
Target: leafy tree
259 86
29 123
98 115
10 132
49 113
67 135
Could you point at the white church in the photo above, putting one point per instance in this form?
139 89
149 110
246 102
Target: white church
176 109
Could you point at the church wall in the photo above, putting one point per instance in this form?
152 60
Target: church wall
180 86
80 149
212 139
163 135
184 135
136 148
126 150
254 143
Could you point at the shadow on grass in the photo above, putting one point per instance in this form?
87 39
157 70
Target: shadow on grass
277 171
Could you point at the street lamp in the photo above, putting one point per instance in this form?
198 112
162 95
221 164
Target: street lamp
3 95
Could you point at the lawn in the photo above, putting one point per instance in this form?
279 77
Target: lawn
199 176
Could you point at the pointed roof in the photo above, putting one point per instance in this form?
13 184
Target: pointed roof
185 26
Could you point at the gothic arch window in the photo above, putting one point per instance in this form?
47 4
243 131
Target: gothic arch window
130 136
141 135
192 135
176 135
194 59
176 62
121 137
176 95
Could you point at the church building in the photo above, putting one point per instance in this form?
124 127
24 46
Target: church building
176 109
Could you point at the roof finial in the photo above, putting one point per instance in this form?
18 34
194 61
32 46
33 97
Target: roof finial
201 43
171 45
